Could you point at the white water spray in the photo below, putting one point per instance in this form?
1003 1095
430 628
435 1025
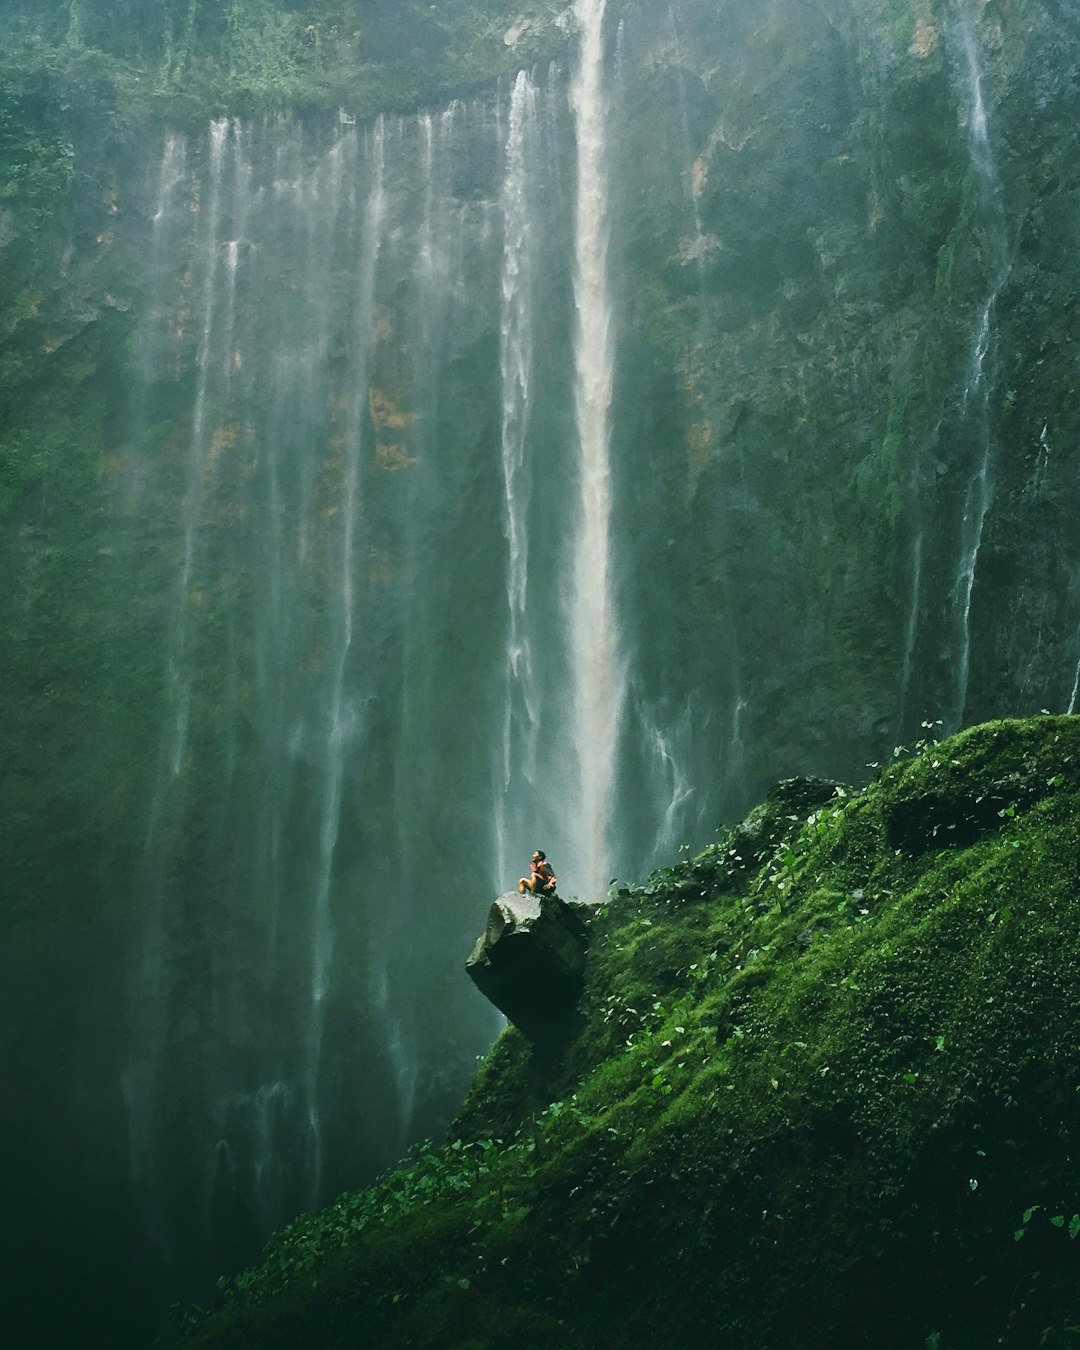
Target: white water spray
520 714
140 1079
342 719
299 390
427 159
242 180
979 494
193 507
912 630
170 176
598 677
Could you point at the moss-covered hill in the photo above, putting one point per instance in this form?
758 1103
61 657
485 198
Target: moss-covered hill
823 1094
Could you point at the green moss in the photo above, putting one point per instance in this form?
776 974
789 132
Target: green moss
830 1061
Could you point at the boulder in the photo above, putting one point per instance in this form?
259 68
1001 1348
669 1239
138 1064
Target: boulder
530 961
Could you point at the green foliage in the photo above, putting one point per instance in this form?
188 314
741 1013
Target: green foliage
802 1070
263 48
36 156
183 57
426 1176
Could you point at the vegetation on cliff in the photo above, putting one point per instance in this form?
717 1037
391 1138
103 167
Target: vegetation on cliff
823 1092
186 58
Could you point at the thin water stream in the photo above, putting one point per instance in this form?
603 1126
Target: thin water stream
975 398
414 635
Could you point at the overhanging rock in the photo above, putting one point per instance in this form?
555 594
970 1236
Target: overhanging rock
530 961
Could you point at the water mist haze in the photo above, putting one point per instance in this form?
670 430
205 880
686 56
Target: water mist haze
555 466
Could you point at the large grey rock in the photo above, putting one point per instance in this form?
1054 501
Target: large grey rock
530 961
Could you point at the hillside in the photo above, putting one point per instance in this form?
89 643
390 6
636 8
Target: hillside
822 1093
299 590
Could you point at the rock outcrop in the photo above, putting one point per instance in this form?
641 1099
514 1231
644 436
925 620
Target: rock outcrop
530 961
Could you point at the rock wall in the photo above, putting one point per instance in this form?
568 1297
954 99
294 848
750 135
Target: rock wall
264 383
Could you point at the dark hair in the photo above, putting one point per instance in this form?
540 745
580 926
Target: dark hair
540 854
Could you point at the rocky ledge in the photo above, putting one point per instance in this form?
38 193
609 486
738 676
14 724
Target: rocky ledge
530 962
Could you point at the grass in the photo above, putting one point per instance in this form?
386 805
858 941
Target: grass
829 1063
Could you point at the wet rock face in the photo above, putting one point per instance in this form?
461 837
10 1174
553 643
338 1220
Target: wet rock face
530 962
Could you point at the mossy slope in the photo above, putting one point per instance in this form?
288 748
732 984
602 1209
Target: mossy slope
823 1093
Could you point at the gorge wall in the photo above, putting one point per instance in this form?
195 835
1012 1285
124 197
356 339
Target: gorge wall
387 496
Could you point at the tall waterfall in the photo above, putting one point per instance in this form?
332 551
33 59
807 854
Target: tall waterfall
598 689
975 397
366 406
520 727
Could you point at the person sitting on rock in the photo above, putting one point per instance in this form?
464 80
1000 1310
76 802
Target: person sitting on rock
542 880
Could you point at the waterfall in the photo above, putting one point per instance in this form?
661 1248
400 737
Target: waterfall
199 461
341 724
264 942
170 177
911 630
520 711
141 1074
597 673
698 246
674 788
978 494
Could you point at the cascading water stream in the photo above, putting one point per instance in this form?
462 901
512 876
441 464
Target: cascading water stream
597 673
911 630
699 244
171 174
140 1075
199 459
678 789
431 270
242 176
216 315
432 262
341 728
666 736
520 712
975 399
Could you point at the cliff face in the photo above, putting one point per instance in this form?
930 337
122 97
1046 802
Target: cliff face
289 482
822 1093
863 426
